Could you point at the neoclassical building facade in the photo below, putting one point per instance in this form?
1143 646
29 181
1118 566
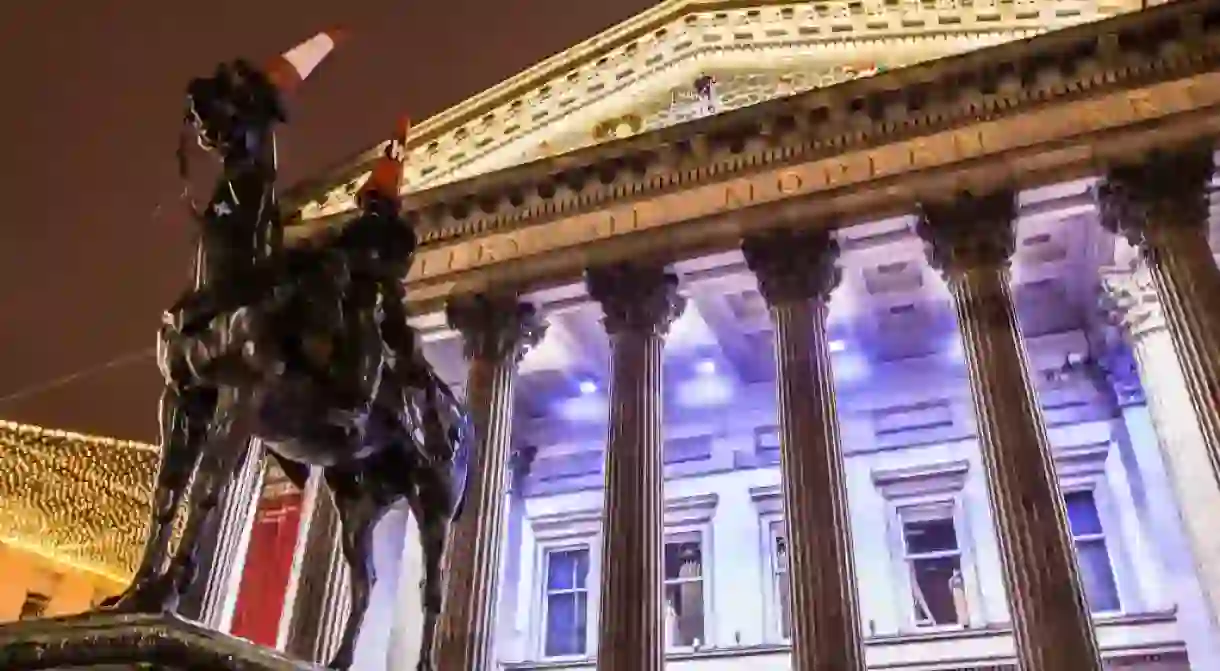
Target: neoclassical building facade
810 336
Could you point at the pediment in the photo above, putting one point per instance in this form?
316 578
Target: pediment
639 75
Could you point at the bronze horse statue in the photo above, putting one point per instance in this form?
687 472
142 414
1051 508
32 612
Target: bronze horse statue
306 349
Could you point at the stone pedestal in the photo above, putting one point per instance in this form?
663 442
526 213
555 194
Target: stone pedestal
497 332
1172 299
319 595
796 273
213 596
971 240
640 303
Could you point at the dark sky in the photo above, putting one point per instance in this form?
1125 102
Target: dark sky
88 124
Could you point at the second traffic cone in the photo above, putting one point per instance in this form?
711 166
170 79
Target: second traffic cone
386 178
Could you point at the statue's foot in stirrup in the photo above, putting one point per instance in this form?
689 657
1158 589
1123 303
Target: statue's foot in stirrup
155 594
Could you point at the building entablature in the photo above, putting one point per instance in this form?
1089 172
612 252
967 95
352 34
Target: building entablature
625 77
1018 114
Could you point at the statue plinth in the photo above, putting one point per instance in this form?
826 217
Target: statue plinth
129 641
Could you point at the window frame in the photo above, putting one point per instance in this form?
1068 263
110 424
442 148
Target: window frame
940 509
940 488
704 580
1082 468
546 593
769 503
563 532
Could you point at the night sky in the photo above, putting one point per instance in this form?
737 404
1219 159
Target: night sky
88 126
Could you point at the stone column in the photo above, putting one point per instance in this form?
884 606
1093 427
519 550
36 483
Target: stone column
971 240
319 593
1132 303
640 303
796 274
497 332
212 597
1161 207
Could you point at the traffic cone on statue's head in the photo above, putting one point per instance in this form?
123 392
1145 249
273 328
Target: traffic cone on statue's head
386 178
291 68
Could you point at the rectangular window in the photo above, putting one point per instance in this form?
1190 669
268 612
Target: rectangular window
934 562
566 603
781 587
684 602
1091 553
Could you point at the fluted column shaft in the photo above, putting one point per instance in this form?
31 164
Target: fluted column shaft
796 273
213 594
497 332
319 597
1160 206
971 241
640 303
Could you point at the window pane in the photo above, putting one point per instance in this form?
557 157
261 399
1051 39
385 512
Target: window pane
567 569
683 560
565 624
935 535
781 555
684 614
1098 576
937 590
1082 513
784 590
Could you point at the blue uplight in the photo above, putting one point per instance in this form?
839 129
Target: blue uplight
588 387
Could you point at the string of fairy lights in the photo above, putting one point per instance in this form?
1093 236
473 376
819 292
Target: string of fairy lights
76 499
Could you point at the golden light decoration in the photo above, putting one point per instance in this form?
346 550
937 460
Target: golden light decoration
75 499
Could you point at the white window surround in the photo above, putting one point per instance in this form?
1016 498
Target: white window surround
769 502
928 489
1083 468
582 528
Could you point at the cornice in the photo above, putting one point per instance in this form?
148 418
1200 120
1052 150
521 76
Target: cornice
661 37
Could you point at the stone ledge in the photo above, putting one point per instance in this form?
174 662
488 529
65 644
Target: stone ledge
114 641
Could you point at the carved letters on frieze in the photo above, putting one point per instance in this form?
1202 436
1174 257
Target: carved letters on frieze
983 140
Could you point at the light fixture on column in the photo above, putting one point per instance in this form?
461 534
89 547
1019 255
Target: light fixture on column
588 387
705 367
837 345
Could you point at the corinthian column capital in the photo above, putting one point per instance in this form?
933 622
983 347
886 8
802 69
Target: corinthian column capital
794 266
641 299
1149 201
496 328
969 232
1129 299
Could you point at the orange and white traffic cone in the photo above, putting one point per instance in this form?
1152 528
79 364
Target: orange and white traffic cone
291 68
386 178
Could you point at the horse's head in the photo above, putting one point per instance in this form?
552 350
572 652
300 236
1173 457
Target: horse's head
232 112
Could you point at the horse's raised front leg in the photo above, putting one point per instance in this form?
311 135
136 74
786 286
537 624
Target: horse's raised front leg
224 452
181 438
358 514
432 505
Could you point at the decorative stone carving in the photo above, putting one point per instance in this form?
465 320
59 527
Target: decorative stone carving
794 265
495 327
1128 299
520 463
636 298
1164 193
969 232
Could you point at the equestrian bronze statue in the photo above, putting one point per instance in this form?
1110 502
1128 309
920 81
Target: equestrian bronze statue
305 348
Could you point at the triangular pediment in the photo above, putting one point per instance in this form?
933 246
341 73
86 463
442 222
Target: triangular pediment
640 75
